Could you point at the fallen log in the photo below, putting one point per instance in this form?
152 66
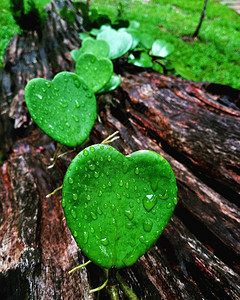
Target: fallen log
197 256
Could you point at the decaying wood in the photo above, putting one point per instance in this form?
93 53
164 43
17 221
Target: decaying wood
197 256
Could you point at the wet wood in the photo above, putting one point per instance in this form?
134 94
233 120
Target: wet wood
195 126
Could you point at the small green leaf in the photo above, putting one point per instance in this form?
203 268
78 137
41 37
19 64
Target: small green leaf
161 48
117 206
145 61
83 36
65 109
99 48
146 40
119 42
111 85
95 72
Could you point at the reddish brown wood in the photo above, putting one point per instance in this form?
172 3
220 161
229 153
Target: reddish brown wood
197 256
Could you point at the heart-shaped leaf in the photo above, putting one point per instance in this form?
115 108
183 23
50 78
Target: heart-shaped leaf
119 41
161 48
145 61
95 72
65 109
99 48
116 206
111 85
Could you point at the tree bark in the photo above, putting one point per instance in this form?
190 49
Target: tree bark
197 256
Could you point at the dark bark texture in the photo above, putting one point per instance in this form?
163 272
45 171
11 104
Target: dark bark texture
195 126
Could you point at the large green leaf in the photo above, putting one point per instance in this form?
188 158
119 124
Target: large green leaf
116 206
119 41
161 48
65 109
95 72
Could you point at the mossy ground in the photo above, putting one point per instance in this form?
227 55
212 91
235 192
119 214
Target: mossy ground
214 56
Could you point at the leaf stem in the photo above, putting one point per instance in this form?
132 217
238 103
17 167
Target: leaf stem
52 193
79 267
111 138
100 287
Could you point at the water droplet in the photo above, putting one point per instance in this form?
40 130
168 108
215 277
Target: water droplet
85 87
75 233
96 174
88 197
109 183
92 230
93 215
92 149
147 225
85 152
137 171
68 125
109 158
85 188
175 200
100 193
48 84
121 183
92 167
118 196
131 204
75 196
76 119
63 203
77 83
169 205
138 200
39 96
154 183
73 213
135 188
89 94
101 147
44 90
99 211
63 104
70 180
104 241
149 201
104 186
77 104
127 185
85 237
129 214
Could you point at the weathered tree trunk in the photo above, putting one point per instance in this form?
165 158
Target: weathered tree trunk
197 256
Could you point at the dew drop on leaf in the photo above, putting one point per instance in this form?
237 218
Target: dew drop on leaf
73 213
85 152
104 242
149 201
129 214
147 225
85 237
93 215
70 180
137 171
92 167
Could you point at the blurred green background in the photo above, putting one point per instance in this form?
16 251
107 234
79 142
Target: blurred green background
214 56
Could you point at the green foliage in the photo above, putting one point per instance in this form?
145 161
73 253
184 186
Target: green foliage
28 14
99 48
8 27
111 85
119 41
65 109
116 219
213 57
95 72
